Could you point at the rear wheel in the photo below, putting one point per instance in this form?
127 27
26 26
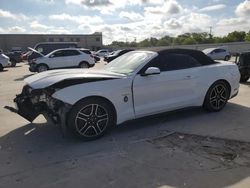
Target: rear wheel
216 97
1 67
84 65
42 68
91 118
244 78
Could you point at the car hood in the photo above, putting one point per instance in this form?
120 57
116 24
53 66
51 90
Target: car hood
48 78
2 56
35 51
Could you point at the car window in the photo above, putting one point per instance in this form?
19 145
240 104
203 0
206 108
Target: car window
58 54
170 62
219 50
71 52
86 51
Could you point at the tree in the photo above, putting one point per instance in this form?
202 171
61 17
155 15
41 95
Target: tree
247 37
186 39
236 36
144 43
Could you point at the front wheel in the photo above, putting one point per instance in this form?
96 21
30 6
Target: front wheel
91 118
216 97
42 68
1 67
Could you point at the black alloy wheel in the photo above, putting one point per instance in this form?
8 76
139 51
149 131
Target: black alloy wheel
91 118
216 97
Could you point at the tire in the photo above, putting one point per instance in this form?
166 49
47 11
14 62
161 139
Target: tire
244 78
90 118
13 63
216 97
84 65
1 67
227 58
42 68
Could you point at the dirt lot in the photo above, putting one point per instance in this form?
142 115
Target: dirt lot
190 148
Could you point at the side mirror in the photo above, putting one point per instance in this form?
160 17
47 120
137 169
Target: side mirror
151 71
51 56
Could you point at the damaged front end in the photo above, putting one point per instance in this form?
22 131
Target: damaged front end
33 102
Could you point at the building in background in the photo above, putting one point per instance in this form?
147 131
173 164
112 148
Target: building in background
10 42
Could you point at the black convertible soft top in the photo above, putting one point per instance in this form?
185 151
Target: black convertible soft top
198 55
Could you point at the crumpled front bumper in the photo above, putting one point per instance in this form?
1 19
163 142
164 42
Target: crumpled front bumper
31 103
24 108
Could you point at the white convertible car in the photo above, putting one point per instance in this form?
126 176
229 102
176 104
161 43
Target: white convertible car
137 84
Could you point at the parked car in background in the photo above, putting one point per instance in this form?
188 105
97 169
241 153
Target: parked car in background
63 58
137 84
243 62
45 48
116 54
102 52
218 53
4 61
97 58
15 57
24 56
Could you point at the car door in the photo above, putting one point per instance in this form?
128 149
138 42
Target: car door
72 58
57 59
173 88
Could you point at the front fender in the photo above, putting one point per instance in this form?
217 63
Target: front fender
115 90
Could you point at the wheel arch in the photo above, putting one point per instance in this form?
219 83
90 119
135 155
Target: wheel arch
101 98
42 64
220 80
84 62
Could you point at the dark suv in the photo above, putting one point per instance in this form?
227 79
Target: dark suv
243 62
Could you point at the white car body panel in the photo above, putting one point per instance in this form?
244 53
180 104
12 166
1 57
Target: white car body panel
135 95
116 89
175 89
47 78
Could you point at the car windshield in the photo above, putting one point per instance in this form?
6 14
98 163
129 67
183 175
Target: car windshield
206 51
49 54
129 62
116 52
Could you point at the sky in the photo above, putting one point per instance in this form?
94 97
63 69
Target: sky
124 20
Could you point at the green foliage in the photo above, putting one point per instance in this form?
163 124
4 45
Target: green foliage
186 39
236 36
247 38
